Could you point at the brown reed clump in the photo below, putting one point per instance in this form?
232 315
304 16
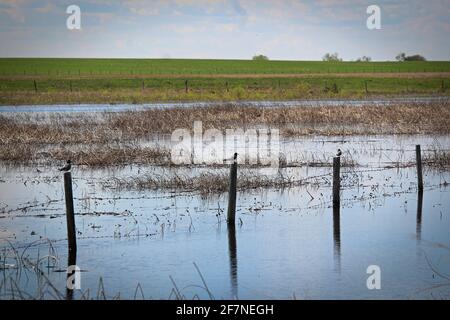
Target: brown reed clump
437 158
89 155
205 183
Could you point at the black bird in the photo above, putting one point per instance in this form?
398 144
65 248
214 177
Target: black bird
67 167
234 157
339 153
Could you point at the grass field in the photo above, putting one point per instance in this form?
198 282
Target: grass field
64 67
51 81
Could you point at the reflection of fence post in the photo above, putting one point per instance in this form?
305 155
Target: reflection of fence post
231 216
232 250
337 236
336 180
419 215
70 215
419 167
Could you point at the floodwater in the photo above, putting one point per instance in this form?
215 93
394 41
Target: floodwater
289 103
287 243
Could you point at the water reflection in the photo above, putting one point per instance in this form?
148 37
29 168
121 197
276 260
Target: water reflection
337 236
232 249
262 103
419 215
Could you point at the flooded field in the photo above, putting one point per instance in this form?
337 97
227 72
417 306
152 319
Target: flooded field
169 105
288 242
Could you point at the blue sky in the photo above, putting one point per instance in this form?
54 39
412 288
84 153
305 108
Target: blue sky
225 29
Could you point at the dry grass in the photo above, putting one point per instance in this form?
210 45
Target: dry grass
437 158
113 138
205 183
395 119
112 155
347 120
89 155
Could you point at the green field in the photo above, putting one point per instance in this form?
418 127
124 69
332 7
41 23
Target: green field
55 67
55 81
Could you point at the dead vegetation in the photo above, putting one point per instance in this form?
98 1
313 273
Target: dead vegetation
89 155
206 183
437 158
114 138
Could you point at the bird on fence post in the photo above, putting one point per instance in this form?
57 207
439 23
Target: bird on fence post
339 153
67 167
234 158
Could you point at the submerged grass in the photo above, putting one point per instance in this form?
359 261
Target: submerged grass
437 158
205 183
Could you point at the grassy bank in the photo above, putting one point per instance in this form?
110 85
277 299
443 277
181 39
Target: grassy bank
142 90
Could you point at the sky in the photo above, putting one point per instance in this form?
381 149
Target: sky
225 29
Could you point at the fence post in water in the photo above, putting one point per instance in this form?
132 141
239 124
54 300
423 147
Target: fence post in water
336 181
70 215
35 86
231 216
419 168
186 86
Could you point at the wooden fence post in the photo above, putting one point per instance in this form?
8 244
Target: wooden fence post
186 86
419 168
231 216
336 181
70 215
35 86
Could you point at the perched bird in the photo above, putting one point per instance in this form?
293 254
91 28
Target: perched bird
234 157
67 167
339 153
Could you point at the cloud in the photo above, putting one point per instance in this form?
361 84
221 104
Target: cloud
13 9
286 29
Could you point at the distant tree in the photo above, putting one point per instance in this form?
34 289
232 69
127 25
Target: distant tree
400 57
331 57
416 57
260 57
364 59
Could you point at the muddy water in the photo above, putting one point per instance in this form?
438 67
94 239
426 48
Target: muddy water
287 242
